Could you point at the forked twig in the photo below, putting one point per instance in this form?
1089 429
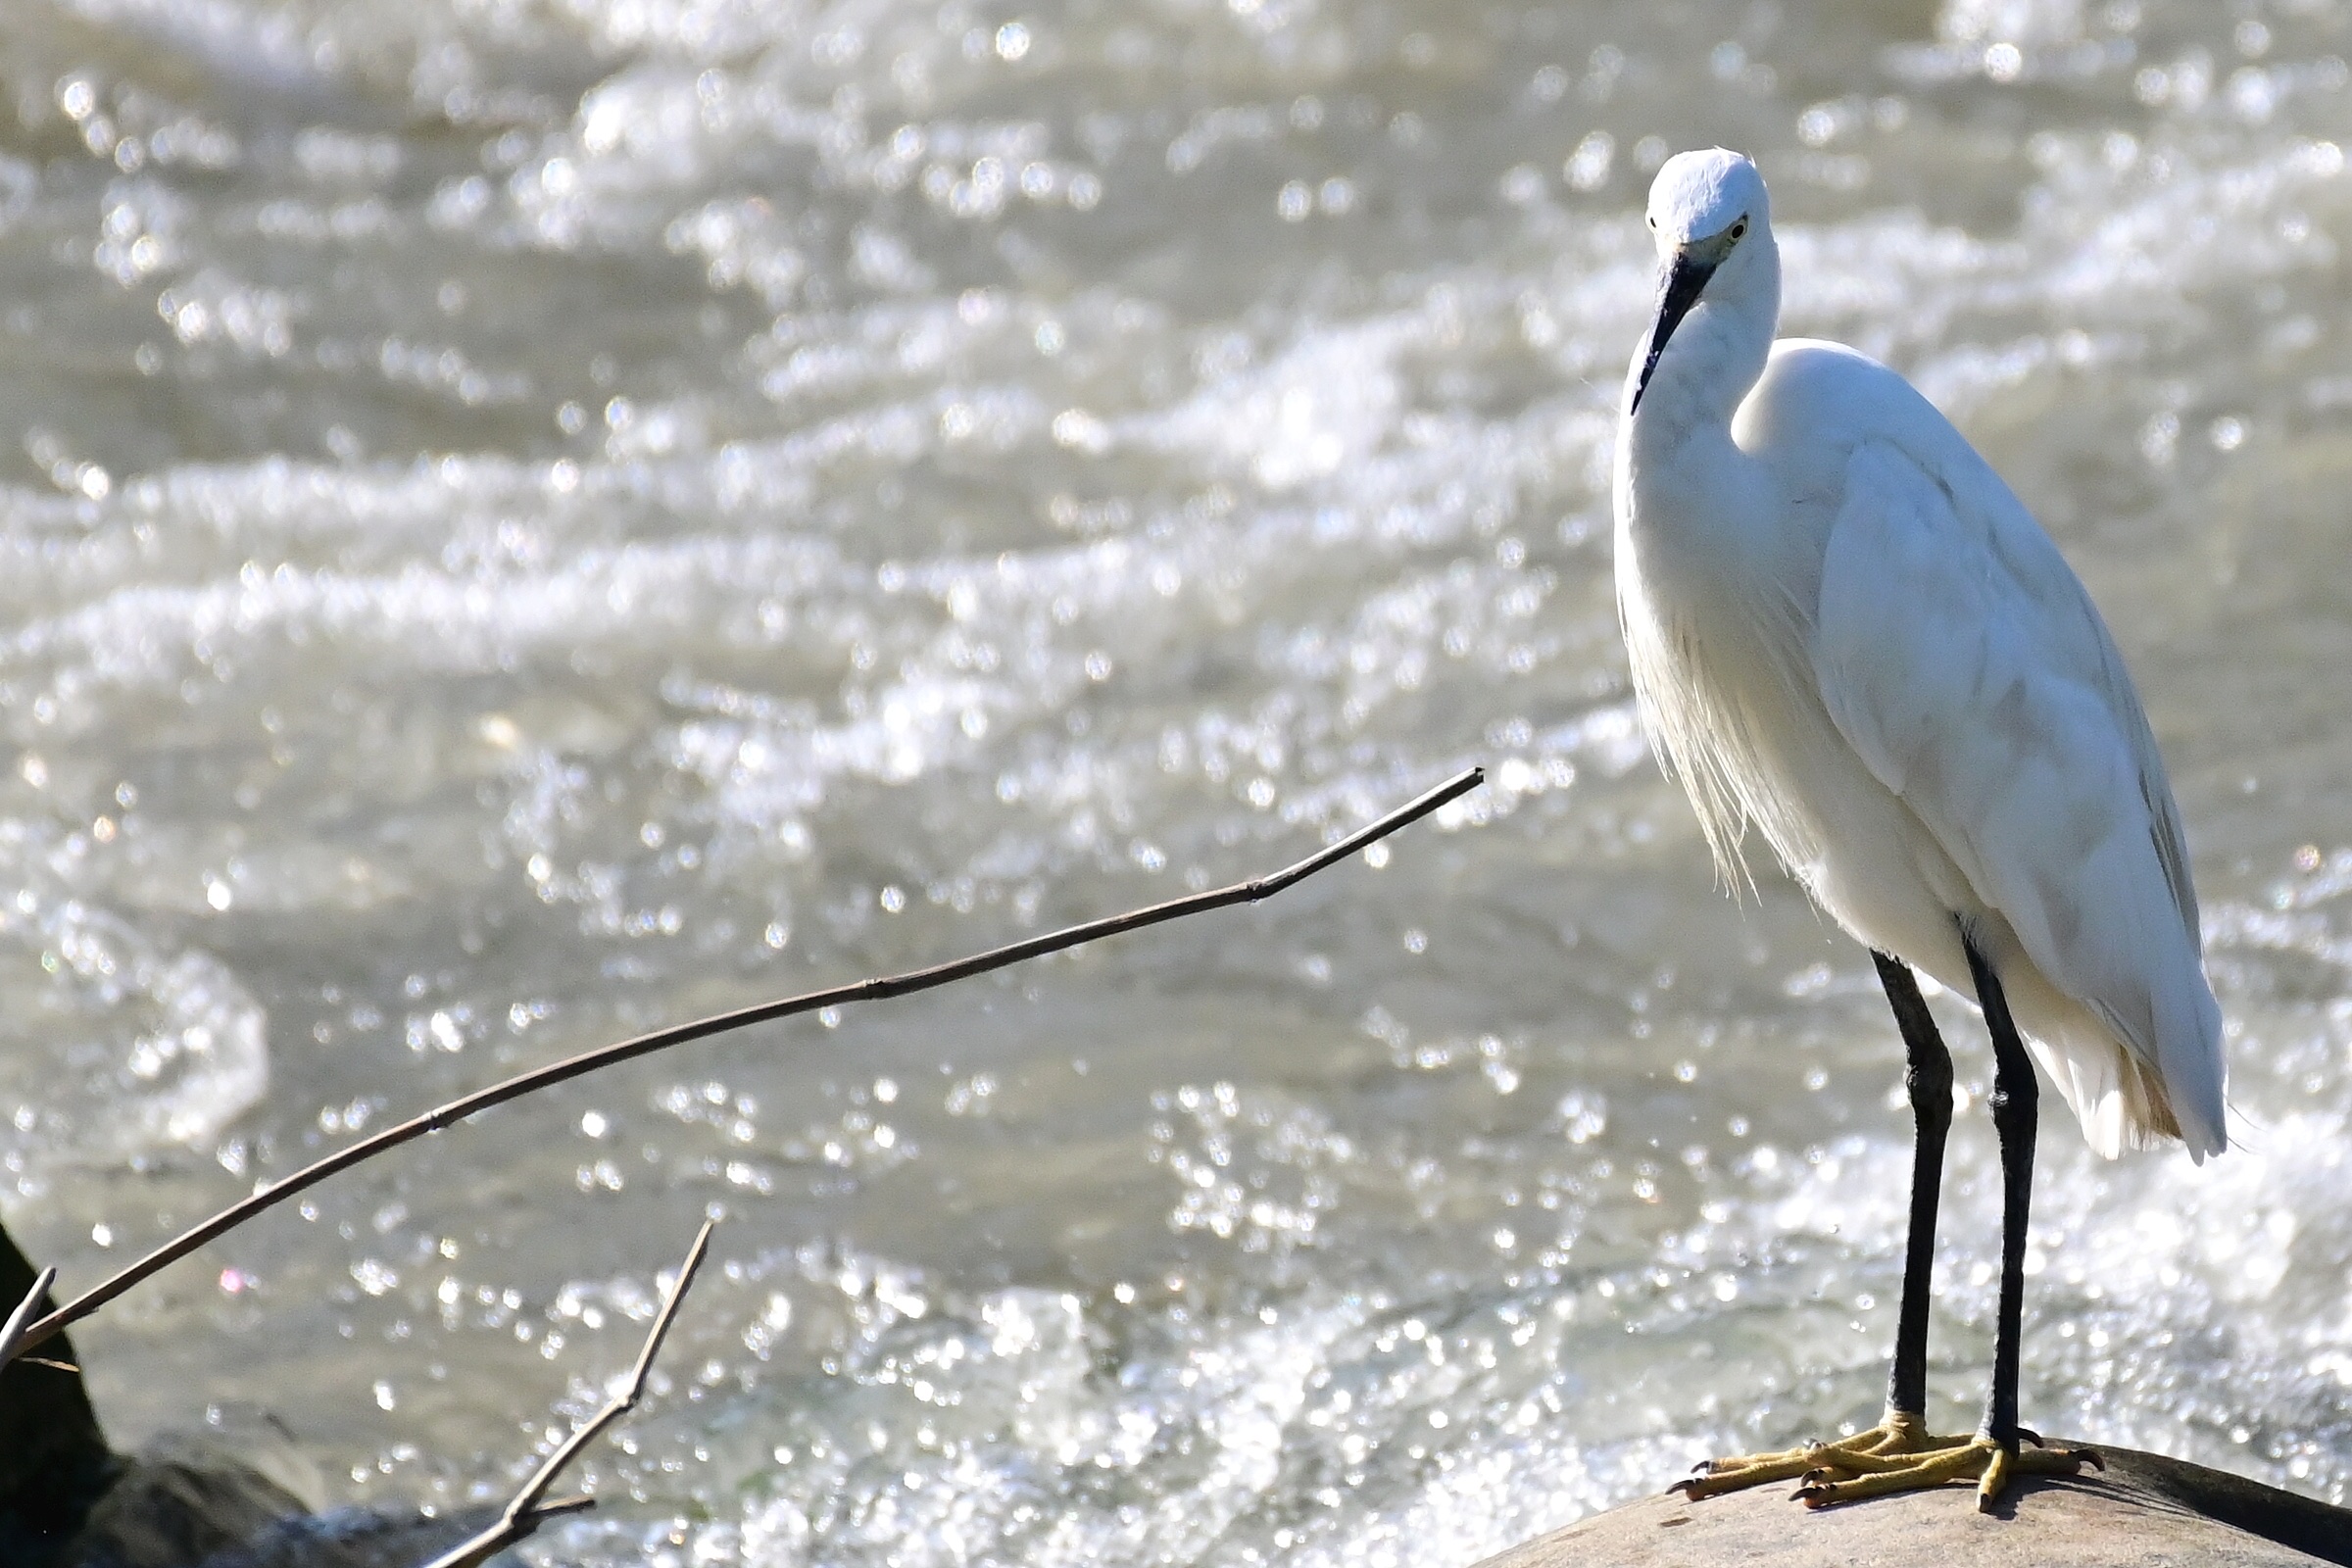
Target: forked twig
15 1336
589 1061
526 1513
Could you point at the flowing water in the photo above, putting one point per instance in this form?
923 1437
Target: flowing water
524 519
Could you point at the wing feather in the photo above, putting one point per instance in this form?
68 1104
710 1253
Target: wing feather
1961 657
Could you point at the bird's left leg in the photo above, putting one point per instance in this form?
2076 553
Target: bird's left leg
1992 1459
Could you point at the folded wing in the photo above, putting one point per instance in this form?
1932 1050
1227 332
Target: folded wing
1961 657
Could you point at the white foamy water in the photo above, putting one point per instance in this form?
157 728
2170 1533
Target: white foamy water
523 521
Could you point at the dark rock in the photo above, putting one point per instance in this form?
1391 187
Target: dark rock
178 1507
248 1501
354 1537
54 1460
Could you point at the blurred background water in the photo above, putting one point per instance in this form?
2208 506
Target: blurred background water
521 519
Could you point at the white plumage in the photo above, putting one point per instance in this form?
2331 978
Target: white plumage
1847 632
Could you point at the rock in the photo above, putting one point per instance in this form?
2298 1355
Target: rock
246 1501
178 1507
54 1461
2146 1511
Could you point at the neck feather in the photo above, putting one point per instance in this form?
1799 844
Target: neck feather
1714 357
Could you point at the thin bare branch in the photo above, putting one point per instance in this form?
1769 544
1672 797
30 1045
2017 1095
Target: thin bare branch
526 1513
589 1061
14 1336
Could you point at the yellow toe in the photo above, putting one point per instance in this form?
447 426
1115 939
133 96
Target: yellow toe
1995 1480
1854 1477
1898 1435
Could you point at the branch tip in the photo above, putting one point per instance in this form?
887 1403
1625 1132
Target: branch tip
525 1513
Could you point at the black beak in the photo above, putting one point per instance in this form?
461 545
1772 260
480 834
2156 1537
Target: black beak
1677 291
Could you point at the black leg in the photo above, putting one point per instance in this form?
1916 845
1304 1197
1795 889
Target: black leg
1928 1076
2015 1101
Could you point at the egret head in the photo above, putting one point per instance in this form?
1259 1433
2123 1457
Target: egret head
1708 215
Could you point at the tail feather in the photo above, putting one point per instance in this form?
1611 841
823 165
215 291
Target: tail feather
2123 1099
2189 1054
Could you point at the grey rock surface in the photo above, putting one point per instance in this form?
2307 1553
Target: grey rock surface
2146 1511
252 1502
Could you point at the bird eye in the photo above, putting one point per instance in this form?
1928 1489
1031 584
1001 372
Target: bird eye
1653 222
1739 229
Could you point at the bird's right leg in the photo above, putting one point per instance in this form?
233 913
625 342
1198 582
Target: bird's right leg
1903 1429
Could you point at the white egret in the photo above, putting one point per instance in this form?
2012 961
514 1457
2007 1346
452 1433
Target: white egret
1847 633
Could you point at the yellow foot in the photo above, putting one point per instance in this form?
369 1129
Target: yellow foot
1851 1477
1897 1437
